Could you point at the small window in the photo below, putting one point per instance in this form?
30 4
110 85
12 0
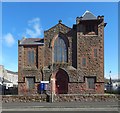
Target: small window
90 83
83 62
95 52
30 57
30 83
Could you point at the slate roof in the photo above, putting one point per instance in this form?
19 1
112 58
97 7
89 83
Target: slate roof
32 41
88 16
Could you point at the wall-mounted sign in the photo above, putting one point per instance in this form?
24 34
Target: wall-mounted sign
44 82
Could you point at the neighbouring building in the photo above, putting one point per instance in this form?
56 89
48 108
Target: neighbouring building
8 77
113 86
70 59
8 81
12 77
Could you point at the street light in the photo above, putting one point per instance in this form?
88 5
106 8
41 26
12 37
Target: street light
110 82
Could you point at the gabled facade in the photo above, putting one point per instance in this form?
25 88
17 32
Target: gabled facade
71 59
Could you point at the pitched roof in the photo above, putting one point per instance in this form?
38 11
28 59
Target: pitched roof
31 41
88 16
59 23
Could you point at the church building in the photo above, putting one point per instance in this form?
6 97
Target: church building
67 60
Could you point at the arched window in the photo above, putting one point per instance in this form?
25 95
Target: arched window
60 50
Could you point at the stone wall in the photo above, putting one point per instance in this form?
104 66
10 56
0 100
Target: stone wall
23 98
94 66
81 88
22 89
62 98
86 43
28 70
85 98
79 45
49 38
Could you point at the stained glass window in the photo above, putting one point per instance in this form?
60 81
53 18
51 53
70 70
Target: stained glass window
60 50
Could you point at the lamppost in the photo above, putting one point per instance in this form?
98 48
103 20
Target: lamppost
52 78
51 89
110 82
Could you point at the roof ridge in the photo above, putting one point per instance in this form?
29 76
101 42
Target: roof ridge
87 11
58 24
88 16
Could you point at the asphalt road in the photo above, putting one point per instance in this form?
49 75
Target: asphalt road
71 106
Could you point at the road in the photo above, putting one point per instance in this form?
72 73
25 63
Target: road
71 106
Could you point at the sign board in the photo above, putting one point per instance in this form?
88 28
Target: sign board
45 82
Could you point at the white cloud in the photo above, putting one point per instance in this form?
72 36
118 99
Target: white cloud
9 39
34 29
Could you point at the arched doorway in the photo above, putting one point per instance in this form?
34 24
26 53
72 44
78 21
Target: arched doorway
62 80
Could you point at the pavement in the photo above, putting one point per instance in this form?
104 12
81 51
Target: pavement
62 106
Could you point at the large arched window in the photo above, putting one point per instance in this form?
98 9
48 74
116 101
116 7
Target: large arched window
60 50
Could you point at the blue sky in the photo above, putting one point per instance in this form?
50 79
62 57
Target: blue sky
31 19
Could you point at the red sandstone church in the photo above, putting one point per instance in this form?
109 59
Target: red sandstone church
68 60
